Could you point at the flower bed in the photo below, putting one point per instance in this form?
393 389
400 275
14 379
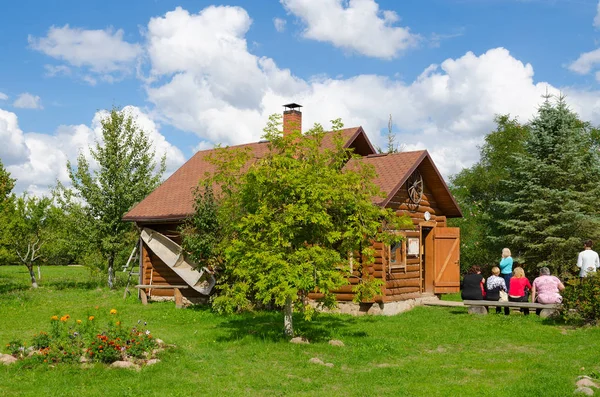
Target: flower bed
75 340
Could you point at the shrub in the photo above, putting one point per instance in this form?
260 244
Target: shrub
41 340
581 300
15 348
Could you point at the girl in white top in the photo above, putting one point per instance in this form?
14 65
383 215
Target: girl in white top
588 260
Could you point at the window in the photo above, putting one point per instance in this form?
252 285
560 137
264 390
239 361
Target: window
397 255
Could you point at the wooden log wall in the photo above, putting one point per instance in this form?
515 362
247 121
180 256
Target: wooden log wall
400 202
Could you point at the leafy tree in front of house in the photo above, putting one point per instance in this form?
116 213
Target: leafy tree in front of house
297 221
553 189
201 233
126 172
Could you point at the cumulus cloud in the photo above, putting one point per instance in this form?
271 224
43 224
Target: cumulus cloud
100 52
279 24
213 86
28 101
38 160
3 96
13 147
358 26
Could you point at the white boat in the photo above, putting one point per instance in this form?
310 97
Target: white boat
171 253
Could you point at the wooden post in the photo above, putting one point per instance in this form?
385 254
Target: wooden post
178 298
144 297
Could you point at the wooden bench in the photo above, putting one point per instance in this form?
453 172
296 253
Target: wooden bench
480 307
176 293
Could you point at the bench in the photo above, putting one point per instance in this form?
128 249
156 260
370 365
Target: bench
480 307
176 293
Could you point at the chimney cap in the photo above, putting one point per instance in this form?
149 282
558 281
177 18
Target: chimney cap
292 106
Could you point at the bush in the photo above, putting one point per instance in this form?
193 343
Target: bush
581 300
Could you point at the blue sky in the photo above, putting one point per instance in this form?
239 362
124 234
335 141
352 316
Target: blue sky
210 72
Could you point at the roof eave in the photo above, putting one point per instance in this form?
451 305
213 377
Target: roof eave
155 219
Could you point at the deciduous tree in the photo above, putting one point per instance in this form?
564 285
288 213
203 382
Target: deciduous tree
28 230
123 171
297 221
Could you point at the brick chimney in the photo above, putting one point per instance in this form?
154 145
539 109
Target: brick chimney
292 118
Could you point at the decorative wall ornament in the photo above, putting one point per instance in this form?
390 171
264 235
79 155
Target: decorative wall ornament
414 187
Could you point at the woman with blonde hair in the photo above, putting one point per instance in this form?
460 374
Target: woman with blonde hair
494 285
519 288
506 264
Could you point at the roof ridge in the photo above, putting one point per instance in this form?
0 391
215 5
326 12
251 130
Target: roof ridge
266 141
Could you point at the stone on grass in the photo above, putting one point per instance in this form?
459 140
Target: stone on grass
330 365
299 340
153 361
316 360
584 390
83 359
335 342
586 382
549 313
159 342
124 364
477 310
7 359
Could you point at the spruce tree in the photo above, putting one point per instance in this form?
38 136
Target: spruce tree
553 190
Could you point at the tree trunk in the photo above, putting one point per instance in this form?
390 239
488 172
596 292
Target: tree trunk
39 272
111 271
32 274
288 326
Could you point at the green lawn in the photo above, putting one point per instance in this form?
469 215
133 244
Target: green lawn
425 352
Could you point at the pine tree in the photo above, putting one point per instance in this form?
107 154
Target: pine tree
553 190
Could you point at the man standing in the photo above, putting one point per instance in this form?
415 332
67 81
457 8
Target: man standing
588 260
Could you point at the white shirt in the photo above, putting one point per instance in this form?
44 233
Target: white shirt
588 261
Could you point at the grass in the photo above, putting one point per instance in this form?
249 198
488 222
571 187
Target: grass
428 351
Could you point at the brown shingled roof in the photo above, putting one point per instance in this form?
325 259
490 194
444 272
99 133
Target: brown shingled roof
174 200
394 169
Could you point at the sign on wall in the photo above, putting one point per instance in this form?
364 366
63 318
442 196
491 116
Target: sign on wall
413 246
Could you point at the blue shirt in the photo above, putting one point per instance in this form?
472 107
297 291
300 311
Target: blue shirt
506 265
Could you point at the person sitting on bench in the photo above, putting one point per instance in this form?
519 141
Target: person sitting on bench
472 285
494 285
546 288
519 288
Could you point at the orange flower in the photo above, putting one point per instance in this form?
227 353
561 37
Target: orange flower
91 318
78 321
113 311
118 323
54 318
67 316
63 319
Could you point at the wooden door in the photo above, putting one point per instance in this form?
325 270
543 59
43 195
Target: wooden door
446 260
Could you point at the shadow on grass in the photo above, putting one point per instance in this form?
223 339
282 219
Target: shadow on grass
12 287
269 326
68 284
